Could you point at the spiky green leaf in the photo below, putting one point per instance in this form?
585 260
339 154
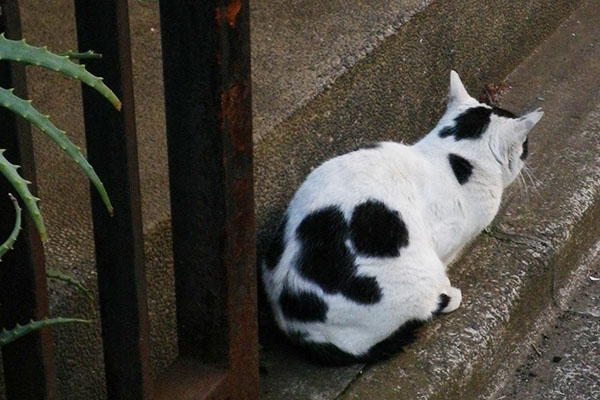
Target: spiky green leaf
9 171
59 276
90 54
8 244
22 330
19 50
23 108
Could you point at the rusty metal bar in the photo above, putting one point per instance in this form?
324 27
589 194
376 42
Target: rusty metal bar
206 61
112 149
28 365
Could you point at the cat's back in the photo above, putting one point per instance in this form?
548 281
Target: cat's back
391 172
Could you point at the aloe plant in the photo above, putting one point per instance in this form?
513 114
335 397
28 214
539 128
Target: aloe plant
20 51
8 243
7 336
59 276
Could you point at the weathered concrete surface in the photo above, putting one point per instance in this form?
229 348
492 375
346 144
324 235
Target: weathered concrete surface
563 361
393 93
300 47
510 279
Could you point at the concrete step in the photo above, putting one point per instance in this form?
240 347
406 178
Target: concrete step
560 361
326 77
510 279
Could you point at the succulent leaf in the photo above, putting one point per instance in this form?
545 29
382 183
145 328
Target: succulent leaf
59 276
90 54
9 171
19 50
41 121
8 244
22 330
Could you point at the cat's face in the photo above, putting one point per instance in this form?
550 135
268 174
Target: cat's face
491 133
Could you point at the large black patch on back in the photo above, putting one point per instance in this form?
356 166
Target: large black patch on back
469 125
276 249
326 260
461 167
377 231
302 306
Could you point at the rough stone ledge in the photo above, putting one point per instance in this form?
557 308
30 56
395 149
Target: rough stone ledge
508 279
511 277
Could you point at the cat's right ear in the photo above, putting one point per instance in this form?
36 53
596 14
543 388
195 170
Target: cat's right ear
458 94
525 123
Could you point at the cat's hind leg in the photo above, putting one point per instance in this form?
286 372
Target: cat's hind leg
449 300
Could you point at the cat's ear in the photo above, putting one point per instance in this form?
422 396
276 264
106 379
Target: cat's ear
458 94
526 123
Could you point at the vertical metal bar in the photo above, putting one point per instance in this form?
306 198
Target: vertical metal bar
28 365
112 149
206 61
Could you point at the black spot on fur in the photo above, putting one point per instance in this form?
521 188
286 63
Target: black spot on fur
469 125
363 289
276 249
461 167
525 149
447 131
302 306
443 303
377 231
503 113
326 260
329 354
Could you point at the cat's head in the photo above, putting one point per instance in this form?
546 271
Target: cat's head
485 132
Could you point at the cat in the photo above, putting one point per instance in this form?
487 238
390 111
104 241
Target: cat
359 260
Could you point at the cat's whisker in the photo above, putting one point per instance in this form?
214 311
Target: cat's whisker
533 177
534 181
525 186
519 185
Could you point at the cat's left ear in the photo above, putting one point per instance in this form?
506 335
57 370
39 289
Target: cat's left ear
457 94
526 123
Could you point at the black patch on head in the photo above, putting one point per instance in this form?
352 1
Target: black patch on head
443 303
326 260
377 231
503 113
302 306
276 249
461 167
525 149
469 125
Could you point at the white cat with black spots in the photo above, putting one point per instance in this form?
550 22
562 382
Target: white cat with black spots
359 261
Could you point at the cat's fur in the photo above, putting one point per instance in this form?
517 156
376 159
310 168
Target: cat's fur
360 258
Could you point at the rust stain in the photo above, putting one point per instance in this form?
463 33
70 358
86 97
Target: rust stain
232 11
233 115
